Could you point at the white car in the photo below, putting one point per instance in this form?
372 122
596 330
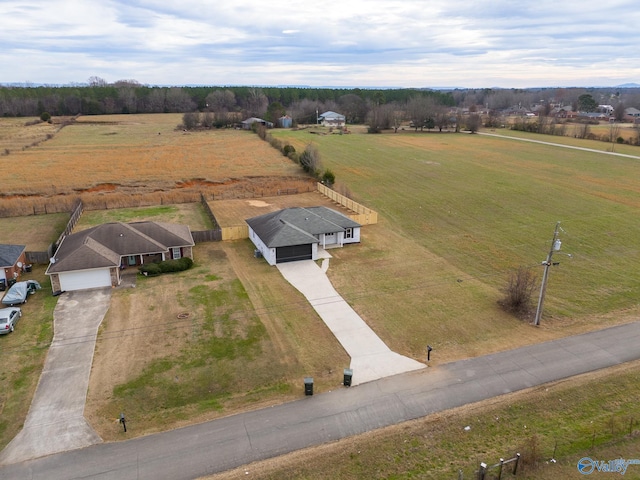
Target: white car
8 319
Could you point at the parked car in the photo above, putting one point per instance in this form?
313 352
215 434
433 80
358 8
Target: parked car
8 319
18 292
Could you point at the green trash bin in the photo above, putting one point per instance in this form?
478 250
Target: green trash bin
308 386
348 375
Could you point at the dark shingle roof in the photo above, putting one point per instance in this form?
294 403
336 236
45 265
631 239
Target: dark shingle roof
104 245
298 226
9 254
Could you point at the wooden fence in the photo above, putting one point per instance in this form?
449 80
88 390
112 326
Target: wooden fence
237 232
363 215
200 236
75 216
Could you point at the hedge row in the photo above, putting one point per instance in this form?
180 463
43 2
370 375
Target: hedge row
168 266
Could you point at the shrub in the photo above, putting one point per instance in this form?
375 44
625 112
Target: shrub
328 178
150 269
287 149
518 293
168 266
45 116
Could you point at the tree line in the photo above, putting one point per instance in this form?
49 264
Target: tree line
226 105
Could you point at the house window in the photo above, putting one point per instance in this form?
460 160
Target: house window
348 233
176 253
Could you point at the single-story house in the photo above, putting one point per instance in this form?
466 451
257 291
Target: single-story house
332 119
632 112
246 124
296 233
93 258
12 261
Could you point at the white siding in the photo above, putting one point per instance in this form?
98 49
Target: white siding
269 254
84 279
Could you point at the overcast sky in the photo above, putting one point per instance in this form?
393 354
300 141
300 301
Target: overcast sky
366 43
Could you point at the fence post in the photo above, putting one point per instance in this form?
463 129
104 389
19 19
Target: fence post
482 471
515 465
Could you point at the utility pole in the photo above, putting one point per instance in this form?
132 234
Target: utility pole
555 246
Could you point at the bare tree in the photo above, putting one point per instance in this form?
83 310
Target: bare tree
310 160
156 100
518 293
474 122
221 100
178 100
419 110
97 82
353 107
256 102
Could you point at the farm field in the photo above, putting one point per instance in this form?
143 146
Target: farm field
137 155
629 133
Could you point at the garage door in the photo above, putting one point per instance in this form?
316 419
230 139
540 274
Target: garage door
87 279
293 253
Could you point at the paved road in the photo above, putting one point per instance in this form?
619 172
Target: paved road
55 422
371 358
559 145
237 440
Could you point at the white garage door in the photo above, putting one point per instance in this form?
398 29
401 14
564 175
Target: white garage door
87 279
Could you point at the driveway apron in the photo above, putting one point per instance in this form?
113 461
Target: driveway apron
371 358
55 421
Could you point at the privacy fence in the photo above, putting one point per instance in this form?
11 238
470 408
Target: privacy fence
361 214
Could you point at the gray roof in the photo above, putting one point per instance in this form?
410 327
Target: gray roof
104 245
9 254
298 226
332 115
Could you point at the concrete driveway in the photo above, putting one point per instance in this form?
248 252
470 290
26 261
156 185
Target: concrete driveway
371 358
55 422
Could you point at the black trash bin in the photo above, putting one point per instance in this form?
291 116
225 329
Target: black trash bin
348 375
308 386
3 284
27 268
11 282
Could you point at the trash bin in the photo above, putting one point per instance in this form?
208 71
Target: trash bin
27 268
348 375
308 386
11 282
3 284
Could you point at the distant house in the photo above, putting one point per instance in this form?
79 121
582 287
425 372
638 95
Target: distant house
246 124
632 112
593 115
94 257
12 262
297 233
332 119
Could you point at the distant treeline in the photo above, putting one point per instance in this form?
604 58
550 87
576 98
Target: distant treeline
131 97
227 104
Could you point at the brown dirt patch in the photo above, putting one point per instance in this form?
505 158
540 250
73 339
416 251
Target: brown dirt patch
234 212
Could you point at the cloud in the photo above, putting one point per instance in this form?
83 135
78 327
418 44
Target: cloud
362 42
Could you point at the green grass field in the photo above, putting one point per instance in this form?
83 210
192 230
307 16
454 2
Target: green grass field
486 205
